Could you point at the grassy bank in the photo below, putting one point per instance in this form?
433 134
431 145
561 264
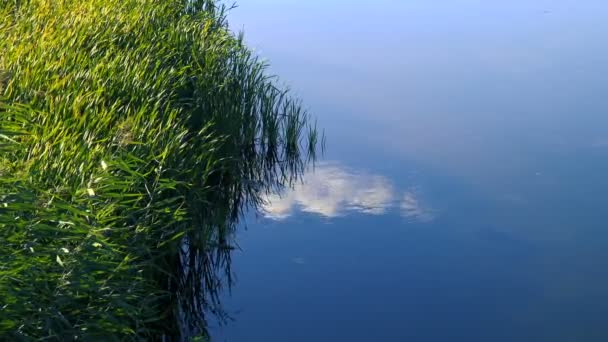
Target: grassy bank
133 133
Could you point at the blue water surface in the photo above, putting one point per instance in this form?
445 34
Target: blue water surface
464 192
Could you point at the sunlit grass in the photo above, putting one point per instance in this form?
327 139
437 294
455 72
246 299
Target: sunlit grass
130 130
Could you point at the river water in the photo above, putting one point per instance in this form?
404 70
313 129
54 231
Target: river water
463 193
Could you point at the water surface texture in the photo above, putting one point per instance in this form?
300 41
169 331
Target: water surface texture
463 195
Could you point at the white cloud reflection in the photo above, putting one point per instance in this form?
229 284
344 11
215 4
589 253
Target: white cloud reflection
332 190
412 209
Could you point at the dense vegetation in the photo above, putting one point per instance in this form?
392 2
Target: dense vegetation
133 133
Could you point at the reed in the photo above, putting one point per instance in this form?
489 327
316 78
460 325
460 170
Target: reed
133 135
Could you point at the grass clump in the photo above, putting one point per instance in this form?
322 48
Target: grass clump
133 133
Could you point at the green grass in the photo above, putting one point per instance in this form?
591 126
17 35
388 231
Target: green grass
133 135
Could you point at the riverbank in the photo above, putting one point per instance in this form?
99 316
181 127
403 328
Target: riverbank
132 136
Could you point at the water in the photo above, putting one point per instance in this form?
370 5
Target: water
463 192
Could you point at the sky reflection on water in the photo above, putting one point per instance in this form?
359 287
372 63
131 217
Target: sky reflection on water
332 190
466 194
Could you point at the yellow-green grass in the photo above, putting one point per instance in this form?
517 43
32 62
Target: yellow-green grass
133 134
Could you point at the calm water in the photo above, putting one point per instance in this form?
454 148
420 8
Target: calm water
464 192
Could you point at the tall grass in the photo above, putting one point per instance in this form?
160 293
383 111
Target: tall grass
133 134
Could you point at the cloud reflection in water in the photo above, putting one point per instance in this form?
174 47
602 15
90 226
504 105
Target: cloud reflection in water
332 190
413 210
